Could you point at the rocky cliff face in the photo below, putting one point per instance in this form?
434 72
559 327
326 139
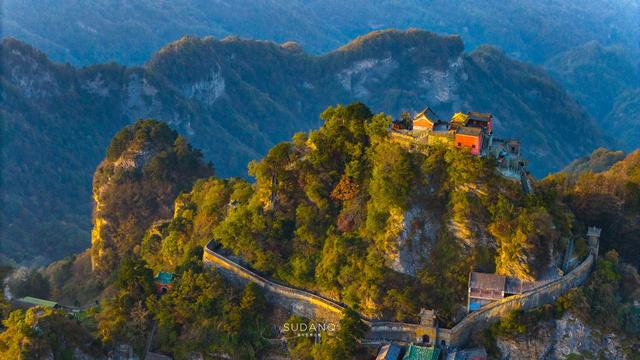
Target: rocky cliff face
419 229
236 98
561 339
147 166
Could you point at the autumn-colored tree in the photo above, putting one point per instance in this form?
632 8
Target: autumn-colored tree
346 189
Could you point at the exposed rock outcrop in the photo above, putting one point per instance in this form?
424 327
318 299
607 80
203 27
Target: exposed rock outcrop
419 229
147 166
558 339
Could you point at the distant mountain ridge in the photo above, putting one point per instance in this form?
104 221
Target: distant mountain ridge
528 29
606 81
598 161
235 99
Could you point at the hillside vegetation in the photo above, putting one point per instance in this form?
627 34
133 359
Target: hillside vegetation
598 161
608 199
146 167
235 99
606 81
44 333
337 209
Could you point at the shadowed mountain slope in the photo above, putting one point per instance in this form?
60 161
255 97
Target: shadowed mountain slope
234 99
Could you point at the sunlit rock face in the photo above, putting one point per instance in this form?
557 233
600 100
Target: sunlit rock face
419 229
146 167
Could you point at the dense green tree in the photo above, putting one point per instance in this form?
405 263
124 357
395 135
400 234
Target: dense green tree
125 317
327 209
607 199
203 313
42 332
343 343
29 282
447 275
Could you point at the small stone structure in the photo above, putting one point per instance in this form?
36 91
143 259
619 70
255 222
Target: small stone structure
593 235
314 306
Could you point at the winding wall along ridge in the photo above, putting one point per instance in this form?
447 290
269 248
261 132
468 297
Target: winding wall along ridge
308 304
210 257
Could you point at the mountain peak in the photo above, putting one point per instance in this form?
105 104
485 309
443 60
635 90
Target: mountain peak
13 48
397 40
183 44
146 167
293 46
410 36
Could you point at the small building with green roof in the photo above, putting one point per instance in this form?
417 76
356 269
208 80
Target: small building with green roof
421 353
164 282
29 302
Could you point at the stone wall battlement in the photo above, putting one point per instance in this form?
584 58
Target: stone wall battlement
319 306
542 295
310 305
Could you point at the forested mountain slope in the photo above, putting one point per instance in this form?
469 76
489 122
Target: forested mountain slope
609 199
598 161
146 167
606 81
596 72
346 211
591 46
235 99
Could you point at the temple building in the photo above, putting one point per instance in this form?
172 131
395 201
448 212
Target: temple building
471 131
421 353
480 120
469 137
29 302
426 120
487 288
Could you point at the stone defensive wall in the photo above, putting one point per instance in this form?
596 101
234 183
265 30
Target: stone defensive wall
299 302
542 295
407 140
314 306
